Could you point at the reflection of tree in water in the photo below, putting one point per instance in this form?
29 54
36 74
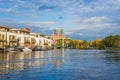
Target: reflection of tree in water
112 55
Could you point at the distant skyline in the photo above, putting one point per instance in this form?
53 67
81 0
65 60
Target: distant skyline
79 19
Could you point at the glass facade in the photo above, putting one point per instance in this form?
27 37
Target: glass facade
58 31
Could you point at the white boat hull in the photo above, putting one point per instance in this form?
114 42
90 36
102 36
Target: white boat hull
27 49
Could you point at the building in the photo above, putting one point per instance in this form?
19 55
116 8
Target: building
4 36
57 34
58 31
18 37
22 37
43 41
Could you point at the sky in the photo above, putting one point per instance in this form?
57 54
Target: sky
79 19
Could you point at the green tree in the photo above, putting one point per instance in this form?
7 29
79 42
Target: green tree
59 43
112 41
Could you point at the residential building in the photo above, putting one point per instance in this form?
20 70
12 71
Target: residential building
22 37
4 36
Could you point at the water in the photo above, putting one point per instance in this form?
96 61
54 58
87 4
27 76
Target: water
68 64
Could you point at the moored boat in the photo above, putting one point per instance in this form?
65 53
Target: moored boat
4 50
14 49
27 49
36 48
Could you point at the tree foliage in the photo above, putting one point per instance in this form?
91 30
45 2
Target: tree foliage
112 41
108 41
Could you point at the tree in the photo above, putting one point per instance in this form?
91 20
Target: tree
59 43
112 41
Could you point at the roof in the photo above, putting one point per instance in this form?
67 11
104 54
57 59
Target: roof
54 36
27 29
14 29
5 27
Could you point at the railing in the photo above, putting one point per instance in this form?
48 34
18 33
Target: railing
33 40
2 39
27 40
13 39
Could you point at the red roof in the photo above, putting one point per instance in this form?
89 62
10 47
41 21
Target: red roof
57 36
26 29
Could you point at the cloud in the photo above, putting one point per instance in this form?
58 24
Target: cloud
68 33
13 22
85 18
68 5
18 8
95 19
95 7
81 7
45 7
91 31
60 17
46 23
38 27
8 10
12 11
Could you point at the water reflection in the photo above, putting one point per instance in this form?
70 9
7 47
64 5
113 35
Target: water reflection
112 55
22 60
60 58
61 64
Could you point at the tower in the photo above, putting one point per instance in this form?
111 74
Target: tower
58 31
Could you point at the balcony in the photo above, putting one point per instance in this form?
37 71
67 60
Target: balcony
33 40
13 40
32 45
2 39
27 41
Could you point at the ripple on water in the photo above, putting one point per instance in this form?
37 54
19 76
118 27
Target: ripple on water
68 64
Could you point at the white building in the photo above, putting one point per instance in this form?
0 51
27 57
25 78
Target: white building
43 40
22 37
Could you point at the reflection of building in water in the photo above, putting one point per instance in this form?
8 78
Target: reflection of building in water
37 59
19 61
11 61
59 58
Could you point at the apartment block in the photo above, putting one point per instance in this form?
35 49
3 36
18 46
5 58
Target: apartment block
22 37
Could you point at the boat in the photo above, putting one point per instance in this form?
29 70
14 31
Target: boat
14 49
27 49
4 50
36 48
44 48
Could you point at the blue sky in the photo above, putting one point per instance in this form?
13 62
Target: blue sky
80 19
